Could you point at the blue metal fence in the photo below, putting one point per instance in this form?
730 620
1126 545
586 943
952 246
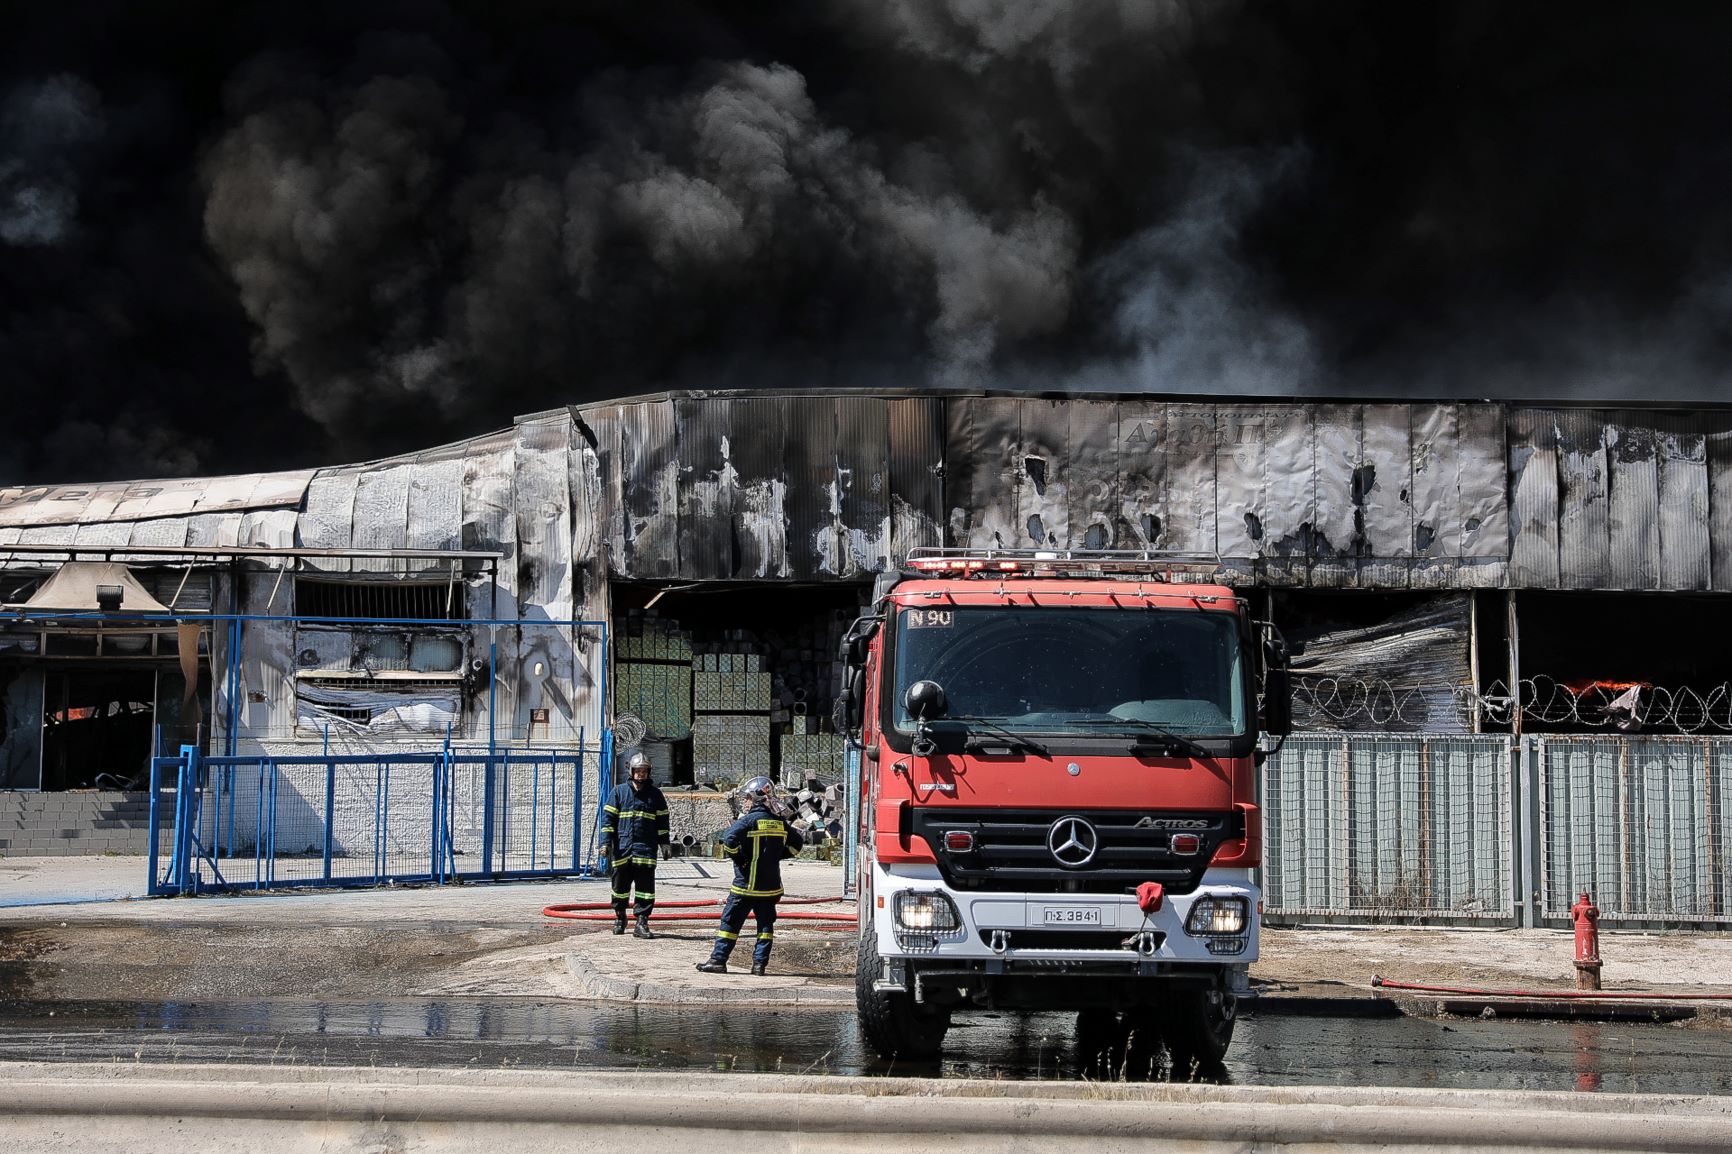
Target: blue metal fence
245 822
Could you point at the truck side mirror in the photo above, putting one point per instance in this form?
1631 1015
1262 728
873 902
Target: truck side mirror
1277 682
849 712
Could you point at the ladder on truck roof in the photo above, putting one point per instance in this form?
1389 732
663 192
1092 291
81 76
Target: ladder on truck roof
1160 564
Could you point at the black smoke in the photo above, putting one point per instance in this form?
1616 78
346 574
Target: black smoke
251 236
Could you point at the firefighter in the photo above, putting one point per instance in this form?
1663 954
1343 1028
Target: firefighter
634 828
758 841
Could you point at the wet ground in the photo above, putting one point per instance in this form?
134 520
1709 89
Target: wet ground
510 1032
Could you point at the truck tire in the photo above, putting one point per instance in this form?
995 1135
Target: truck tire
1198 1027
895 1026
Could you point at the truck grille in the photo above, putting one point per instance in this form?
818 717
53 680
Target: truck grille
1014 849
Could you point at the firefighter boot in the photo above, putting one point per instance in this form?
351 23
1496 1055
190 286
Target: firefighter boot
712 967
758 968
619 921
641 928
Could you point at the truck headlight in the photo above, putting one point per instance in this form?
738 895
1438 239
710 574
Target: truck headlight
916 910
1217 915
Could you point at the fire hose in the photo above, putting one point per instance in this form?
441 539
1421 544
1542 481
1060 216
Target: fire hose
1608 995
604 912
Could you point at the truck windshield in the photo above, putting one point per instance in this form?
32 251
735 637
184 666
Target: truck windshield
1038 670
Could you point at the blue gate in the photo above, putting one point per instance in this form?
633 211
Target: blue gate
264 822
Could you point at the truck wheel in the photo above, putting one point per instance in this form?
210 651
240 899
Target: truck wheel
894 1024
1198 1028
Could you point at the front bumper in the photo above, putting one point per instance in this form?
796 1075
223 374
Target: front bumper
1010 932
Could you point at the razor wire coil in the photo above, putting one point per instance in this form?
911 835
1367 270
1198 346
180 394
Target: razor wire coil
1625 707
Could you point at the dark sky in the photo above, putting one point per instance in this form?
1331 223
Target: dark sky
238 237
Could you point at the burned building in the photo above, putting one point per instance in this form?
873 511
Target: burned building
683 564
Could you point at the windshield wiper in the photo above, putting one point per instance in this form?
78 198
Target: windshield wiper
1149 729
1011 737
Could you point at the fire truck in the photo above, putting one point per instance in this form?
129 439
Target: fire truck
1057 808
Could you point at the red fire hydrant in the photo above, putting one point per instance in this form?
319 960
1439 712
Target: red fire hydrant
1587 918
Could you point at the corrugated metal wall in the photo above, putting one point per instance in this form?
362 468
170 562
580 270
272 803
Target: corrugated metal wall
1388 496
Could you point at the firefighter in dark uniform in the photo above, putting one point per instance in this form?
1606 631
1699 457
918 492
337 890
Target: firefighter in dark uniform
758 842
634 827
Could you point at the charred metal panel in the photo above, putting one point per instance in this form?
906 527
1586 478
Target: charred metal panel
603 424
1337 534
917 473
1685 549
545 675
731 512
1092 476
708 485
1191 440
489 521
268 529
1290 497
214 530
99 533
436 504
381 514
862 517
47 535
589 528
1241 487
328 520
1384 491
1533 470
150 499
651 480
1633 520
1720 500
1584 541
542 500
983 469
170 532
1437 526
1143 506
1484 509
761 440
1043 474
805 463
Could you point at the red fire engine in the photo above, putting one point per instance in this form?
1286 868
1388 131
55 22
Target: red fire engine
1058 808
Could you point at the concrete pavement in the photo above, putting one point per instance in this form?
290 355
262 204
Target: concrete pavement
77 928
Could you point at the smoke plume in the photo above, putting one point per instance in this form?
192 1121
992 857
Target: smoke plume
251 236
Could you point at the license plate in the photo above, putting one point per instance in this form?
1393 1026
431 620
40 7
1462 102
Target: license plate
1070 915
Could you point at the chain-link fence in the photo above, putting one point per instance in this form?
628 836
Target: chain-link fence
1644 825
1359 827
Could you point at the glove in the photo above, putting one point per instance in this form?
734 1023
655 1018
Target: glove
667 852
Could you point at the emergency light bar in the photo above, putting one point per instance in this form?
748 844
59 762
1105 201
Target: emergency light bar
1157 563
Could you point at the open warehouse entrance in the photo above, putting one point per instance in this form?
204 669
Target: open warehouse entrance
733 680
1624 662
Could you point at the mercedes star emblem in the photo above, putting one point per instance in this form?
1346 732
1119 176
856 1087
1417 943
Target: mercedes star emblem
1072 841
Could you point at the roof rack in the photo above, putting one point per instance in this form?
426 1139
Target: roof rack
1161 564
